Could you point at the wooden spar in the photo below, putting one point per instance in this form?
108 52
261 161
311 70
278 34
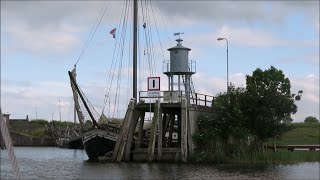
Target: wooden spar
84 102
76 102
135 44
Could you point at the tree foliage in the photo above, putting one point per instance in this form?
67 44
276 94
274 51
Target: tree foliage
311 119
268 101
258 112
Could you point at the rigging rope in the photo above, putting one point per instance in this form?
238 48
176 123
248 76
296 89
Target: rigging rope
93 31
113 66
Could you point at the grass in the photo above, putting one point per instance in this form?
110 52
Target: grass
282 157
301 134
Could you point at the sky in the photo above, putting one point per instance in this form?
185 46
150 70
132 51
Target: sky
42 40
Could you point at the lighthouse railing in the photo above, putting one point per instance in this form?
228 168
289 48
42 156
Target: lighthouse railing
176 97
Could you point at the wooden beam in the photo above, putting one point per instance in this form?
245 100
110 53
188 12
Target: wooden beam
166 119
119 147
132 127
184 131
160 132
191 119
153 130
171 119
141 123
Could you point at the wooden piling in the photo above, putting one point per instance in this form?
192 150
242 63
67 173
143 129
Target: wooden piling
171 119
141 123
192 116
160 132
122 137
153 130
132 127
184 130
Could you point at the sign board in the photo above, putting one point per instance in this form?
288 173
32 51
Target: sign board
153 83
153 93
171 96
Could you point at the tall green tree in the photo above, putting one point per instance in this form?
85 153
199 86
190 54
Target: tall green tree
311 119
267 102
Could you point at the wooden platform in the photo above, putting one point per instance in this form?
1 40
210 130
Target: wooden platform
293 147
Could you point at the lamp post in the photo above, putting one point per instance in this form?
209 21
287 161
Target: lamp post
220 39
36 113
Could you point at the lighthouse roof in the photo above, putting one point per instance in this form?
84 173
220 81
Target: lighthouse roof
179 46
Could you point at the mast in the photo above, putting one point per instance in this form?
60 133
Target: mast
135 35
83 100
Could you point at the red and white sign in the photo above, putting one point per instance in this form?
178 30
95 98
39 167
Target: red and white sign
153 83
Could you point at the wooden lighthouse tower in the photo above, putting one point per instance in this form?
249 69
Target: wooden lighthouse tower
168 136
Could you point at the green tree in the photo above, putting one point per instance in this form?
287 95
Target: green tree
311 119
268 101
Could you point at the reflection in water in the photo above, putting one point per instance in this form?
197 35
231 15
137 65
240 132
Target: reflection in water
55 163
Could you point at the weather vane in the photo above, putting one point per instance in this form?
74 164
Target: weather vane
178 34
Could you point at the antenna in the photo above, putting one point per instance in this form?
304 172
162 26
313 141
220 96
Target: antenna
178 34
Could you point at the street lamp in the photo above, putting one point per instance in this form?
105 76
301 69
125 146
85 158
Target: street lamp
220 39
36 113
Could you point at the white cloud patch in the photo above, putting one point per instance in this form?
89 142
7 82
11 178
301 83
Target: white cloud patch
41 41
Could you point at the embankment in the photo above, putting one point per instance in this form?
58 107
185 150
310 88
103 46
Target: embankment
19 139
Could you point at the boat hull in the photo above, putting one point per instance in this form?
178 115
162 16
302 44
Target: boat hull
98 142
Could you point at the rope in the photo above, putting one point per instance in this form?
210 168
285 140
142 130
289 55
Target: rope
113 66
93 31
155 22
7 140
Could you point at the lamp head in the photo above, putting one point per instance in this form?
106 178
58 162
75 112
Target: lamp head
219 39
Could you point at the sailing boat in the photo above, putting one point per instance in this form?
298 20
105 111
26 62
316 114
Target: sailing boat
99 140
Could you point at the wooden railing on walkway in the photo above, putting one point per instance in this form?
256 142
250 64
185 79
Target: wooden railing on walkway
293 147
176 97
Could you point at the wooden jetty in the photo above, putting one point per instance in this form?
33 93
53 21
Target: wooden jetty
169 118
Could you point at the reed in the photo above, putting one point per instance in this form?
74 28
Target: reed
279 157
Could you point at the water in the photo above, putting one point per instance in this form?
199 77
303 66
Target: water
55 163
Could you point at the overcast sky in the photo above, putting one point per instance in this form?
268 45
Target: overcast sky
41 41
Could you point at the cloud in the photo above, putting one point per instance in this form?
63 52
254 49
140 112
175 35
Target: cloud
309 104
20 98
253 12
310 58
47 27
41 41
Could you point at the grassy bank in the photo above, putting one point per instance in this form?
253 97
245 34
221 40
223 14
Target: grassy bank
301 134
280 157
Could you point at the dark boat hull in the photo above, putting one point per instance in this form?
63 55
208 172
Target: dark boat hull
98 142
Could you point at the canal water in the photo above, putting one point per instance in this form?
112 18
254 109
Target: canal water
55 163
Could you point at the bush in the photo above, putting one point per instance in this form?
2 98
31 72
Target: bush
311 119
39 121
